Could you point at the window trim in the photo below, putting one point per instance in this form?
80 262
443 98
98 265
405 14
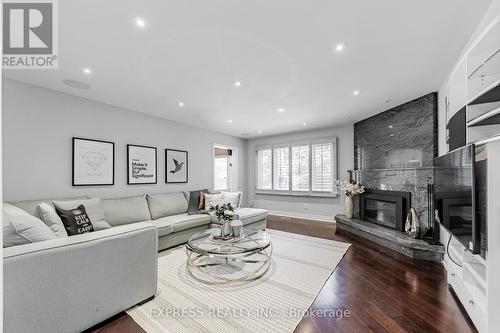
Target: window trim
289 145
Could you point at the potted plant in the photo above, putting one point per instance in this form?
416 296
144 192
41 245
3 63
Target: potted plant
350 189
225 214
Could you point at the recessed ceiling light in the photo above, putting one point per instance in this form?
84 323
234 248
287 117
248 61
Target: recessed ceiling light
356 92
230 121
280 110
140 22
260 131
340 47
304 124
180 104
237 84
87 70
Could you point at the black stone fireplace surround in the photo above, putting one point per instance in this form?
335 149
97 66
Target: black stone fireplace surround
393 159
386 208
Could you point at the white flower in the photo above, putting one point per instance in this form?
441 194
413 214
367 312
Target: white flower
228 212
349 188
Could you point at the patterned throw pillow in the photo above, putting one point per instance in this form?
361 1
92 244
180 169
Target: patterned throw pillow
214 199
76 221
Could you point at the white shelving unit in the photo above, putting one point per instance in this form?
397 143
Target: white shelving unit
475 85
483 87
467 276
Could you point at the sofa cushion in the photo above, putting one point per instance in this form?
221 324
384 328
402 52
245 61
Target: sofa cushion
213 200
93 207
164 227
19 227
126 210
30 205
234 198
194 202
167 204
183 221
247 215
50 217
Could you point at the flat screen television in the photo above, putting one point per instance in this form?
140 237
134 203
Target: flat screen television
454 195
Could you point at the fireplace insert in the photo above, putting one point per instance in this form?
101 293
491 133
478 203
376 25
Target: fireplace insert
386 208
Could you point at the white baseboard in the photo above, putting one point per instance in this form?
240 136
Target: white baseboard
319 218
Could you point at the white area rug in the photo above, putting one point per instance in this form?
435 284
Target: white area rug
274 303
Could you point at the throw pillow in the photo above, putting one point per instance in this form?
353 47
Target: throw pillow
76 220
19 227
233 198
214 199
49 215
201 202
194 201
93 208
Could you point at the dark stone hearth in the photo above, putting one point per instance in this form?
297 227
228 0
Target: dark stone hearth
393 239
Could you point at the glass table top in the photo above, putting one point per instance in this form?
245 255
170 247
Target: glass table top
254 240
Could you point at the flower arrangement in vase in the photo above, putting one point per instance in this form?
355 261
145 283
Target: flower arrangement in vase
225 214
350 189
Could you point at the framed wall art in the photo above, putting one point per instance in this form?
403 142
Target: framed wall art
176 166
141 165
93 162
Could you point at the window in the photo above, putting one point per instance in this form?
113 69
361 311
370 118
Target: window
322 167
300 168
281 171
264 169
304 168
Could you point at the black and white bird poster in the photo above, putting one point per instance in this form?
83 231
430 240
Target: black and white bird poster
176 166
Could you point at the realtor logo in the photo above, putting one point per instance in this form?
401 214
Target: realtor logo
29 34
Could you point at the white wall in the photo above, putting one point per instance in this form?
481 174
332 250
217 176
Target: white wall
311 206
38 125
492 12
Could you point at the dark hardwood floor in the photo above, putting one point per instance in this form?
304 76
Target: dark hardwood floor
382 291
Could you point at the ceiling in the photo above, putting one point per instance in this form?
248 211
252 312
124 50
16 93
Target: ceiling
282 52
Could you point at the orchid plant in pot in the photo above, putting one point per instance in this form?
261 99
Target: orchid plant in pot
350 189
225 214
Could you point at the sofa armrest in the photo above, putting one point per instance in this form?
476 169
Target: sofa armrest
70 284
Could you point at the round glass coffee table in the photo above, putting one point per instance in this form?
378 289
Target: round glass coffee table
215 261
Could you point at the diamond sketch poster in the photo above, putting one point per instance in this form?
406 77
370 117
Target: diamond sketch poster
93 162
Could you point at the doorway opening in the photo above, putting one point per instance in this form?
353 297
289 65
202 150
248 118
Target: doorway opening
224 165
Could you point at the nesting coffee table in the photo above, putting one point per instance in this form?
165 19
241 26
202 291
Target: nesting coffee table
215 261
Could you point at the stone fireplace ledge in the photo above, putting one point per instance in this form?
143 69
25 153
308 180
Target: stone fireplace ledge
393 239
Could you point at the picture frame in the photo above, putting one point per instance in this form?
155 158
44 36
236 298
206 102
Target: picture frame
93 162
176 166
142 165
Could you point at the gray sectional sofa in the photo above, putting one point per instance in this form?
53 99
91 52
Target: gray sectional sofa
72 283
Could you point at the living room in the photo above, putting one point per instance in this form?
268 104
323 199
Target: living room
250 167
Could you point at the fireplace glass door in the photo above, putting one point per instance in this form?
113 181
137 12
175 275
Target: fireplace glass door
381 212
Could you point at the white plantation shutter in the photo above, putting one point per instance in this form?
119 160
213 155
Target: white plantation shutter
300 168
308 167
323 166
264 169
281 168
